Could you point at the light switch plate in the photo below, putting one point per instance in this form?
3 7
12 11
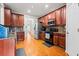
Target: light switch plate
78 29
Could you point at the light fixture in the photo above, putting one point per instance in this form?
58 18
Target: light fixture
29 11
46 6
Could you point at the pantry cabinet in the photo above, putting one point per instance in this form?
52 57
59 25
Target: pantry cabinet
7 16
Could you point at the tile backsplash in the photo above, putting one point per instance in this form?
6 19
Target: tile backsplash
61 29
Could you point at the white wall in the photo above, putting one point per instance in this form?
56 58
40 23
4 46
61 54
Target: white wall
29 24
72 27
2 14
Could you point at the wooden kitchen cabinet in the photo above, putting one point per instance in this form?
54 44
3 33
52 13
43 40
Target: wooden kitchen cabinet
51 16
42 35
59 39
7 47
41 20
55 39
14 19
20 36
58 17
45 21
63 15
7 16
21 20
62 41
17 20
1 48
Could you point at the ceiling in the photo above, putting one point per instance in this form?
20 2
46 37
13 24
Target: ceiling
36 9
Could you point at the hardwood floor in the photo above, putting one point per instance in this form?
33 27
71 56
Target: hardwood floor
35 47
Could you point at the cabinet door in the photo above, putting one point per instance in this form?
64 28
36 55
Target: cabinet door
42 20
20 36
1 48
21 20
14 20
55 40
46 20
58 17
42 36
7 17
9 47
63 15
51 16
62 42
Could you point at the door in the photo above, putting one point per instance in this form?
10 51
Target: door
72 29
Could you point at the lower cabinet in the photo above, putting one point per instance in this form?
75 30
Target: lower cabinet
20 36
62 41
55 40
59 40
42 35
7 47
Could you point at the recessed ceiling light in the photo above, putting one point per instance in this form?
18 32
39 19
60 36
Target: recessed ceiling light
46 6
29 11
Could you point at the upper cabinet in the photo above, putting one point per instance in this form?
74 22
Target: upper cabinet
17 20
7 17
51 16
58 17
63 16
45 20
21 20
14 19
42 21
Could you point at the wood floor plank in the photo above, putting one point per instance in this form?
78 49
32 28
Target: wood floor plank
35 47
